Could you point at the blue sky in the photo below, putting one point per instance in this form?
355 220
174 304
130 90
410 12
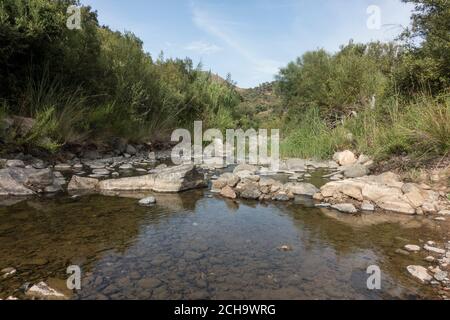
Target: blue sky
251 39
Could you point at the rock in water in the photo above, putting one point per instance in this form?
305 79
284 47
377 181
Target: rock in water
147 201
345 208
10 186
83 184
44 292
433 249
228 192
420 273
302 189
412 248
177 179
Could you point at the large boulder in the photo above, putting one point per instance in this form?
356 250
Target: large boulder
345 158
17 181
9 186
83 184
140 183
301 189
356 171
177 179
172 179
248 190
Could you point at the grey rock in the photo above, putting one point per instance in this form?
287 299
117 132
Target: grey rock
412 248
345 208
356 171
15 164
147 201
420 273
131 150
302 189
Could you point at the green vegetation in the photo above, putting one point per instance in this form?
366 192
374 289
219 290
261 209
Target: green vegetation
94 84
379 99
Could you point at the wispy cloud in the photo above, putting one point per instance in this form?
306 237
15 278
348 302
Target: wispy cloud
203 47
203 20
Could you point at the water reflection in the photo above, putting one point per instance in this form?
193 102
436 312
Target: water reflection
189 246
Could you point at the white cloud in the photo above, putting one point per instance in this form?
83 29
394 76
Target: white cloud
212 26
203 47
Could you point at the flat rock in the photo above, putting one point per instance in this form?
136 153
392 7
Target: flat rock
420 273
434 249
412 248
301 189
345 208
15 164
83 184
147 201
44 292
356 171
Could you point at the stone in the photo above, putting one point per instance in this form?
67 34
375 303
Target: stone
430 259
231 179
140 183
285 248
345 208
296 165
444 213
178 179
245 167
345 158
12 184
149 283
228 192
244 174
101 172
131 150
281 196
249 190
302 189
147 201
126 166
15 164
420 273
402 252
78 183
441 275
412 248
356 171
44 292
63 167
352 191
374 192
91 155
7 272
367 206
218 185
434 249
395 204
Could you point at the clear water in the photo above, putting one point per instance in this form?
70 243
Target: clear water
194 246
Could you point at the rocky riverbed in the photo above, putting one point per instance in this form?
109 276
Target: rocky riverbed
341 189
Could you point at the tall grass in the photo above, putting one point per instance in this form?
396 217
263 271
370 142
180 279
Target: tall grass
420 129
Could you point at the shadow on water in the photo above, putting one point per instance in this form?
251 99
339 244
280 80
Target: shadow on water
189 246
